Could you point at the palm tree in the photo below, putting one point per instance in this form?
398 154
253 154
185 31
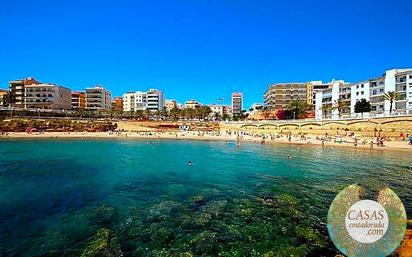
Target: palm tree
298 107
341 106
175 114
326 109
391 96
147 113
138 114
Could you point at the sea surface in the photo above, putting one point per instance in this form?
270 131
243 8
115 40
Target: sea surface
111 197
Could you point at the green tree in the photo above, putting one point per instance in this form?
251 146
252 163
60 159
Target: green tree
203 112
391 96
362 106
175 114
326 109
297 107
340 106
146 114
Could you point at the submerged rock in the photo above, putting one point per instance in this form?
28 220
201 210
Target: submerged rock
196 220
103 245
204 243
164 210
104 215
215 208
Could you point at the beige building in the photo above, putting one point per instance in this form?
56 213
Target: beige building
98 98
217 109
277 96
17 90
117 103
170 104
3 97
192 104
78 100
47 96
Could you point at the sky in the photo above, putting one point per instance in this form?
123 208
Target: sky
201 49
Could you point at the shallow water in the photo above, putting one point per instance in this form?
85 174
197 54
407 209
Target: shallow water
140 198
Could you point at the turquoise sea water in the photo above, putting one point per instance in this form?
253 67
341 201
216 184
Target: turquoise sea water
141 198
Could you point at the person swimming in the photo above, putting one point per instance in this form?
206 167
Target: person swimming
189 163
289 156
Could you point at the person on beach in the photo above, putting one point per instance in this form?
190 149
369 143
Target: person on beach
323 142
371 145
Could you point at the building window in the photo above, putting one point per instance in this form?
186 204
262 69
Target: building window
357 86
362 93
357 93
362 86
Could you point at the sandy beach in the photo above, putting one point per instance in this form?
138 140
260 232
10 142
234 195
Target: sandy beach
194 135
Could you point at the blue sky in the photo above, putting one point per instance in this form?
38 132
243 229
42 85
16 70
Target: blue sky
201 49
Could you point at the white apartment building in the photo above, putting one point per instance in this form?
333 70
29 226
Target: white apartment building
98 98
47 96
373 90
358 91
326 98
217 109
134 101
155 100
152 100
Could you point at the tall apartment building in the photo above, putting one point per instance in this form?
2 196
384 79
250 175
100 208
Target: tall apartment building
98 98
17 90
152 100
155 100
237 102
78 100
47 96
277 96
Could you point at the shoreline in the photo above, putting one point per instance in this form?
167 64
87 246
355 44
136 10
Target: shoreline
390 145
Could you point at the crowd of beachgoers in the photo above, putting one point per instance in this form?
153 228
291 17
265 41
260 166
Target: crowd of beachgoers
404 141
